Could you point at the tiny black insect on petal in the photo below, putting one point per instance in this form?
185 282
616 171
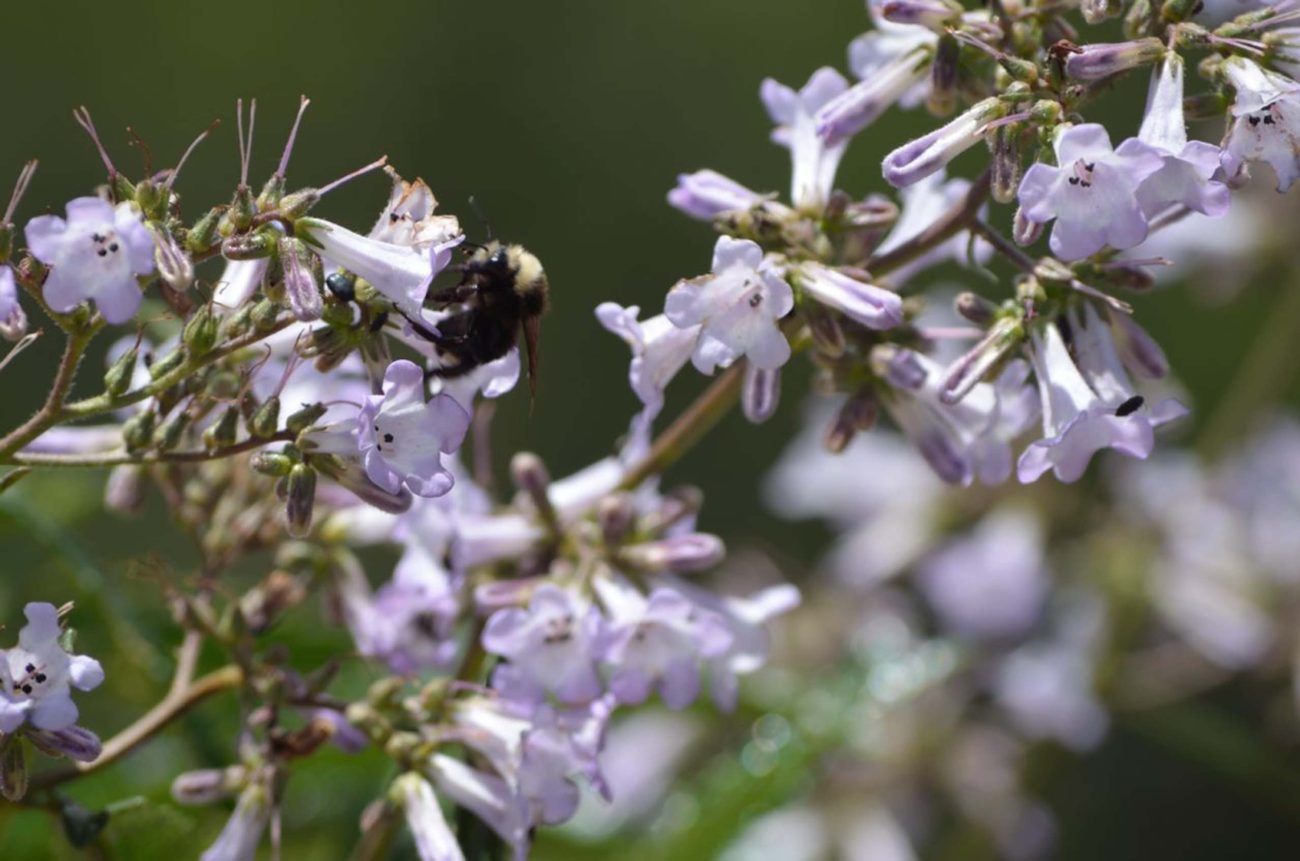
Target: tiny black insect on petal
1130 406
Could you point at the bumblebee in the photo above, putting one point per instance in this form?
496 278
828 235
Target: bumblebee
502 289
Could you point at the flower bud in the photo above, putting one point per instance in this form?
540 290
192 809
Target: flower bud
208 785
74 742
872 306
13 768
1045 112
168 435
897 366
1140 19
975 308
681 553
1004 168
935 15
251 246
304 418
265 419
137 431
204 234
13 326
201 330
272 463
760 393
942 97
530 476
239 215
1024 231
117 379
224 431
124 489
616 517
168 363
1103 59
1177 11
174 265
963 374
1096 11
827 335
301 498
265 315
917 159
299 283
152 199
707 194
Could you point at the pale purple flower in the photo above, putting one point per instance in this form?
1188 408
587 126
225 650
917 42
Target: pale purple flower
1266 121
814 161
37 675
1187 174
991 582
1087 406
238 841
402 438
760 393
657 642
97 253
738 307
706 194
928 154
534 752
550 647
13 321
659 350
747 619
872 306
1092 194
434 840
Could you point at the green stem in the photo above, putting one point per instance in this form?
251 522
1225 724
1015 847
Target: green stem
106 402
168 709
49 413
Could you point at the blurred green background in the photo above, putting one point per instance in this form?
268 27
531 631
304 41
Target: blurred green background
568 121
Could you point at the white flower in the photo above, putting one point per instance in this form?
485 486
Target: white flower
738 307
1266 121
37 675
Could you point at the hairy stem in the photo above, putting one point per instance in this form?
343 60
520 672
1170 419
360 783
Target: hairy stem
50 411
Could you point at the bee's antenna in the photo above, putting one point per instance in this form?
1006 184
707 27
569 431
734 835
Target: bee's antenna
487 225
